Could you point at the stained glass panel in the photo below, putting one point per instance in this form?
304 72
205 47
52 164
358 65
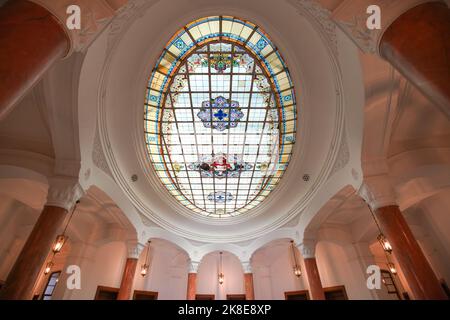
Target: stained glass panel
220 116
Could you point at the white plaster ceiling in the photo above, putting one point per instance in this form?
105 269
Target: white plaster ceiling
26 128
120 83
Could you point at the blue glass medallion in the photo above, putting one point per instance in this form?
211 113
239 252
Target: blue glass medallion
220 197
220 113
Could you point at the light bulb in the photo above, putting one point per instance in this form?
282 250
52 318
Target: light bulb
392 268
297 271
59 243
144 270
385 243
48 268
221 278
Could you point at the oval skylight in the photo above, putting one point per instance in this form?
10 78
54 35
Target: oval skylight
220 116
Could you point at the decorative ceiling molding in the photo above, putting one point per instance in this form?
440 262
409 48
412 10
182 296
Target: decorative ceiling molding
98 157
320 17
343 156
146 221
292 223
126 15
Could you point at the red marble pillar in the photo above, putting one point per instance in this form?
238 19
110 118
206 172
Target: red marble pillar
417 44
31 40
127 279
191 286
25 272
315 285
418 272
248 285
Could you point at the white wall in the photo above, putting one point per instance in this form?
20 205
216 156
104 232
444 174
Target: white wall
436 222
207 276
273 273
167 273
335 269
100 266
16 222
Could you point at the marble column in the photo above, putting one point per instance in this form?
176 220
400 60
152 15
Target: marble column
34 35
417 44
421 279
418 272
31 40
62 195
129 272
192 281
308 250
248 282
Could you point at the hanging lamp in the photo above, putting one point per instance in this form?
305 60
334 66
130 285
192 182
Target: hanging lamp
145 266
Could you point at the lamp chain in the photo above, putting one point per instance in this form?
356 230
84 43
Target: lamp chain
71 215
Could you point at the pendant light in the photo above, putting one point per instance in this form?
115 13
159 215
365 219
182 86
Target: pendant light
62 238
297 269
385 244
221 276
59 242
392 268
48 267
145 266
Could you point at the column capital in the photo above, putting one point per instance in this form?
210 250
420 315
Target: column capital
63 192
193 266
247 266
308 248
95 16
378 192
134 250
351 16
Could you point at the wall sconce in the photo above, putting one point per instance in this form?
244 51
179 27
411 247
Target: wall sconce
145 266
384 243
297 269
221 276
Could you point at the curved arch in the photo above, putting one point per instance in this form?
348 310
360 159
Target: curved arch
233 249
418 174
268 243
159 233
320 209
217 250
261 242
24 185
420 188
107 186
16 172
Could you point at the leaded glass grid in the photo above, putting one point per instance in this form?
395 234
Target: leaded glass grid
220 116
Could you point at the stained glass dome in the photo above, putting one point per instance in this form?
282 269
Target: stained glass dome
220 116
